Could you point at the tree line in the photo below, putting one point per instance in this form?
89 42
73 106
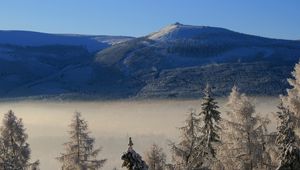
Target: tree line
210 140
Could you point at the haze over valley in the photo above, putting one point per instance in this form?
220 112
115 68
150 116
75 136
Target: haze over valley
111 123
149 85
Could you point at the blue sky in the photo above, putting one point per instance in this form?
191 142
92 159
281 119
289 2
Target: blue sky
270 18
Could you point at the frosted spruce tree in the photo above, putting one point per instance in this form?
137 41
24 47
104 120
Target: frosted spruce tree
14 149
209 131
288 152
79 151
243 135
132 160
186 154
292 99
155 158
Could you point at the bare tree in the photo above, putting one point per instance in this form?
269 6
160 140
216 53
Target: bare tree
243 135
14 149
79 151
155 158
186 154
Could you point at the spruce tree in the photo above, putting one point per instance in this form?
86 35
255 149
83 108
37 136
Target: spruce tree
14 149
79 151
289 154
210 126
155 158
132 160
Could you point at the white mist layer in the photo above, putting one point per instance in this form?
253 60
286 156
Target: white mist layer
111 123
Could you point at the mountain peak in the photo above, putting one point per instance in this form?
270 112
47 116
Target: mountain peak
178 31
164 31
177 23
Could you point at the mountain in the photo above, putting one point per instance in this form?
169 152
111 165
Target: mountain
179 60
175 62
29 38
41 64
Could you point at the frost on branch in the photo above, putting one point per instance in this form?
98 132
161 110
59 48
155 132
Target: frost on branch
244 135
289 156
79 151
14 149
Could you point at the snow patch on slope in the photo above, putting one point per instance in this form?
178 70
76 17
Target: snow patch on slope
166 30
180 31
112 40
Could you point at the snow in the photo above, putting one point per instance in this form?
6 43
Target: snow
177 31
166 30
29 38
112 40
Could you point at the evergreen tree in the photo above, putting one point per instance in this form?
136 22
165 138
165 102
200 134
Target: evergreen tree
80 153
289 154
210 128
156 158
186 155
292 99
243 135
14 150
132 160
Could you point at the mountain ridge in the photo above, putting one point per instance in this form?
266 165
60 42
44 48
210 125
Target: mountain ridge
181 48
33 38
175 62
177 25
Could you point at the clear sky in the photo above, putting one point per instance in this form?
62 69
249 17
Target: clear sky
269 18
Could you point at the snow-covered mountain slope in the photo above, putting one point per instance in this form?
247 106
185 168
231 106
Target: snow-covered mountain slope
175 62
180 45
28 38
172 61
180 31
